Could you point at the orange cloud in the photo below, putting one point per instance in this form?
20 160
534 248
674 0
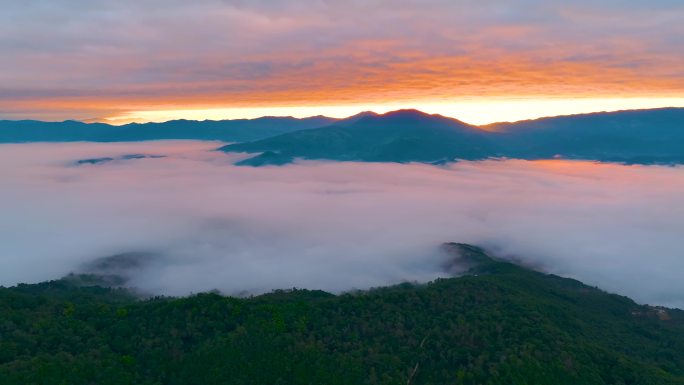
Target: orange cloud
129 57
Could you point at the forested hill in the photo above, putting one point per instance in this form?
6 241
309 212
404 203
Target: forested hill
399 136
499 324
640 136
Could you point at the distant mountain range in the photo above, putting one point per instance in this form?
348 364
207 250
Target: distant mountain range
22 131
400 136
641 136
638 136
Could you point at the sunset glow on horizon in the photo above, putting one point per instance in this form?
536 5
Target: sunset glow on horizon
476 112
478 61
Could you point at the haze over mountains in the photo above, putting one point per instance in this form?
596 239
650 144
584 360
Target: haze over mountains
638 136
331 225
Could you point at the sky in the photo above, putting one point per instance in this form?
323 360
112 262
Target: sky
334 226
476 60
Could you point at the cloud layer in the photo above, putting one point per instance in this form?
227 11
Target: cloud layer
332 226
94 58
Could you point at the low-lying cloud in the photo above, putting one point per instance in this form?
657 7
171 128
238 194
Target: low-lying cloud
332 226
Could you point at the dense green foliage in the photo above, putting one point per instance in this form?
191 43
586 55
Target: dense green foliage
502 324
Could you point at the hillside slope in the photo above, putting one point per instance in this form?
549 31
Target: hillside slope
640 136
399 136
238 130
499 324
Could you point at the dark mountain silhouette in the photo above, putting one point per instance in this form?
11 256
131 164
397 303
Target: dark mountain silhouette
640 136
355 118
18 131
399 136
226 130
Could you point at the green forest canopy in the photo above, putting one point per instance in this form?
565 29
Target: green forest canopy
500 324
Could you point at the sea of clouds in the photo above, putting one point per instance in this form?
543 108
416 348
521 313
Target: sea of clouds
332 226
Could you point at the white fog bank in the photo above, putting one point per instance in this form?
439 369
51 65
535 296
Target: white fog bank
332 226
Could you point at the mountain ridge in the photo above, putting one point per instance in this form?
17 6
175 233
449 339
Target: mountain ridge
500 323
23 131
634 136
358 115
651 136
397 136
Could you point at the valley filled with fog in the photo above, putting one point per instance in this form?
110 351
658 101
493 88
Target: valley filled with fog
204 223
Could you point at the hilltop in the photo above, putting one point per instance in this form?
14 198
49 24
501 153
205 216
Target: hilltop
645 136
494 323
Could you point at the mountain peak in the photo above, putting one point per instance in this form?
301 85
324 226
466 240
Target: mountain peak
361 115
420 118
355 118
406 113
